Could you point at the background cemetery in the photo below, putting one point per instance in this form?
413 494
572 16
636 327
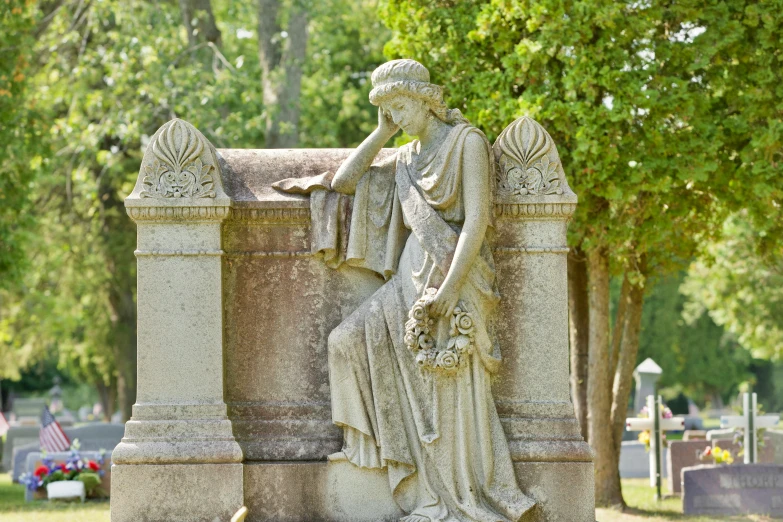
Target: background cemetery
667 120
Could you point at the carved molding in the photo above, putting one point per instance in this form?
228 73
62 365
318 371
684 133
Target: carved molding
535 210
528 163
178 213
182 164
270 215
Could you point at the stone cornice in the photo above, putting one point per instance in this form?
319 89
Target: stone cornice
267 215
169 213
535 210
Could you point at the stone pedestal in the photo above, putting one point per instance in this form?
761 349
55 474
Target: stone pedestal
179 459
532 392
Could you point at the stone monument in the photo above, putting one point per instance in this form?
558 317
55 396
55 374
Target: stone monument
647 375
266 316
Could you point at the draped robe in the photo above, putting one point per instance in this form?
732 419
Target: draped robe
438 434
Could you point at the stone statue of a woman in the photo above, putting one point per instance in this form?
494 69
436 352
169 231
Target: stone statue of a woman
410 369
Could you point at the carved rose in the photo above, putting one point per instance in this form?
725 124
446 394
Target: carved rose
465 323
421 359
426 342
419 312
447 359
410 340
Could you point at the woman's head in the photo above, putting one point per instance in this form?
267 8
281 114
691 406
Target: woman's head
409 80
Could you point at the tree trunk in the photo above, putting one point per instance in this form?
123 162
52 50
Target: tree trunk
599 431
579 330
623 378
199 22
282 55
619 324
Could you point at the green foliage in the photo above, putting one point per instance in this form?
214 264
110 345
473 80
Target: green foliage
91 480
740 290
697 356
660 110
99 79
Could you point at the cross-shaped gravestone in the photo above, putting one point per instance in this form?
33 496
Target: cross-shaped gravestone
657 424
750 421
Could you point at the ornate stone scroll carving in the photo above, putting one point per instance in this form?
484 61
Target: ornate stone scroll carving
179 169
528 162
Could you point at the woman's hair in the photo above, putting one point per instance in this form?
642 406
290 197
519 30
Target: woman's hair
409 77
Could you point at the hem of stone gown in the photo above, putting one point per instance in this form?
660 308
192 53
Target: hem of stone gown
362 451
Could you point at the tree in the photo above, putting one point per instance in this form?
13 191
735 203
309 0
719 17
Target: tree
99 79
633 95
740 289
282 55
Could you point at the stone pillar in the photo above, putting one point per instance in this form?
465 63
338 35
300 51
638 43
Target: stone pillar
533 206
178 460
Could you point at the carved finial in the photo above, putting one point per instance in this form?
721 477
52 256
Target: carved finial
528 161
182 164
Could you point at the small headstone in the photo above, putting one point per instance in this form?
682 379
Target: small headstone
682 454
27 409
694 423
733 490
17 436
689 435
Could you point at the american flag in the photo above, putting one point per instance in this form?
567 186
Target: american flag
3 425
52 436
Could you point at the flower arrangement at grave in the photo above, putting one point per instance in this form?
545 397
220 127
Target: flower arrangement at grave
717 455
75 467
644 436
420 337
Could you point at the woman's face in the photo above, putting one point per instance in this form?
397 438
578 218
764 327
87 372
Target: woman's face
407 112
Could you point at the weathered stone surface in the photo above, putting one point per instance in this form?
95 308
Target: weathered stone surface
563 491
317 492
733 490
176 492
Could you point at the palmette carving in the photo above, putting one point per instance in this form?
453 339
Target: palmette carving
178 169
525 165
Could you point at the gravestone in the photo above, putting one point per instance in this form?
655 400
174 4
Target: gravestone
33 460
17 436
28 410
646 375
234 313
776 440
682 454
766 453
733 490
635 460
93 437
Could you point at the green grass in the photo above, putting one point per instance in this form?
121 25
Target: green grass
642 507
638 494
13 508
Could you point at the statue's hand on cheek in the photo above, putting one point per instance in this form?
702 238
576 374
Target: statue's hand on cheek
386 125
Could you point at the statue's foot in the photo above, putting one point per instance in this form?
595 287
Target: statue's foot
415 518
337 457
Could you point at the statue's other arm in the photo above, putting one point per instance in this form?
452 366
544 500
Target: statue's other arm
357 164
475 190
